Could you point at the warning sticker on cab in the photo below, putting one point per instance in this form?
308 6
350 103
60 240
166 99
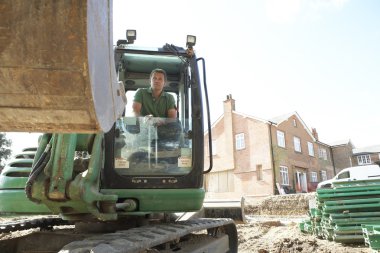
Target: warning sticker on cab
121 163
184 161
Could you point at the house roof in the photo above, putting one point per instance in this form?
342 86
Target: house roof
238 113
366 150
279 119
340 142
322 143
276 120
251 117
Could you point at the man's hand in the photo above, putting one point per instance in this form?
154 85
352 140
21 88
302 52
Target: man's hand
154 121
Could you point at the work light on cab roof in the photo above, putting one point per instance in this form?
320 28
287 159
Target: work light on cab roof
131 36
190 41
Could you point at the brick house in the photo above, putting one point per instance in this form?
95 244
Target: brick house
257 157
366 155
342 154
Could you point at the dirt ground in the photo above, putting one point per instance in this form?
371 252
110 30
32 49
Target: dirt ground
279 234
271 234
272 227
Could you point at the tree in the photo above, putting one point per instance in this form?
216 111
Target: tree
5 151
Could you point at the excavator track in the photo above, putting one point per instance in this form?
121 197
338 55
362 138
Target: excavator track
42 223
219 235
142 238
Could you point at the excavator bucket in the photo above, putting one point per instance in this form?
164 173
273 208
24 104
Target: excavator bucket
57 69
224 208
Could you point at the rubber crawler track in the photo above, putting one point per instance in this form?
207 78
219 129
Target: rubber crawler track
141 238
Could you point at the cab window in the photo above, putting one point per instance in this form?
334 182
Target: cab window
344 175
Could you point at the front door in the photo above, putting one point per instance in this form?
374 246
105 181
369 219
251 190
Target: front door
301 181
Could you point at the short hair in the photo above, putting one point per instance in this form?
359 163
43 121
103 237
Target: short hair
159 71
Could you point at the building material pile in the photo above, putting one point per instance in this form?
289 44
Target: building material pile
347 213
285 205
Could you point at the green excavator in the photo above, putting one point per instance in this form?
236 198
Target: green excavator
118 180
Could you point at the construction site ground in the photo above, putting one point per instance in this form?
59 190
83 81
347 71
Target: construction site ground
272 226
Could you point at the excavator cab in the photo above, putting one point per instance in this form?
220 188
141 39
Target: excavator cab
156 156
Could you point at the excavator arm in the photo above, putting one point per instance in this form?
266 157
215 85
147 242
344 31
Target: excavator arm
57 70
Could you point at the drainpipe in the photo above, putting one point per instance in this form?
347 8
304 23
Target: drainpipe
332 159
272 156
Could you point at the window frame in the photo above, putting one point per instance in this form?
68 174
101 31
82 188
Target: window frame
322 153
313 177
310 151
240 141
294 122
323 175
297 144
284 173
282 138
364 159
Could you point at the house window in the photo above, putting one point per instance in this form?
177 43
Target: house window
323 153
213 147
259 172
297 144
280 139
310 146
364 159
323 175
239 141
284 175
294 123
314 177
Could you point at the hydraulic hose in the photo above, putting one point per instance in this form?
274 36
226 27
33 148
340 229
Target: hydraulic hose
36 170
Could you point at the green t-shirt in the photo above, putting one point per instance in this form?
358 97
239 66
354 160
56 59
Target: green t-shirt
151 106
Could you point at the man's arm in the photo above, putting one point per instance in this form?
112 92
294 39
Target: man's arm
172 108
137 103
136 106
172 113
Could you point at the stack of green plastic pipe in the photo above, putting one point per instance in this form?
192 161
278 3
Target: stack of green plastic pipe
342 210
371 234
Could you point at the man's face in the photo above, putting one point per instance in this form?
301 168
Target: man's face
157 81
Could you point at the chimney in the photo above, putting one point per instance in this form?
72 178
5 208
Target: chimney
314 133
229 104
228 121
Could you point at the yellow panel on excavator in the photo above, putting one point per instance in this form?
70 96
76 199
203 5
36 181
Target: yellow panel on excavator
57 70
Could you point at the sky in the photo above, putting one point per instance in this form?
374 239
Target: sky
320 58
